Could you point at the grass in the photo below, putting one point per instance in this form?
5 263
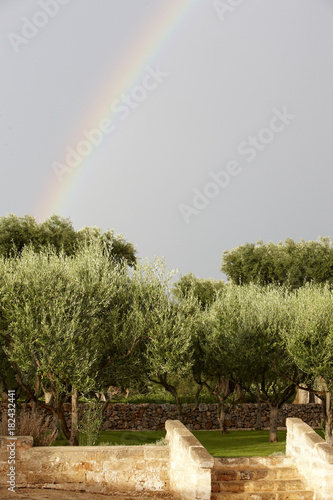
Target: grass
122 438
130 438
234 444
241 443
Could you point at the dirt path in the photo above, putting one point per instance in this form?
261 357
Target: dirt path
44 494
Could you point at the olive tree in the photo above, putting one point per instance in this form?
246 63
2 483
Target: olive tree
58 232
290 263
245 345
205 290
165 350
309 339
64 320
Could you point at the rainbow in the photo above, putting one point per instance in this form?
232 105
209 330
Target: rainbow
162 26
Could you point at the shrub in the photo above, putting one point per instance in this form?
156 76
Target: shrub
91 423
32 424
29 424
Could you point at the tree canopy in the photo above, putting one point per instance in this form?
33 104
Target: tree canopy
204 290
290 263
244 346
64 320
309 338
59 233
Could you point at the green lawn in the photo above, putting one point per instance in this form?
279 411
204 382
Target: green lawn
233 444
124 438
129 438
241 443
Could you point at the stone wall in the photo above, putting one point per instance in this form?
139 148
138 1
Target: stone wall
92 469
190 463
313 457
120 416
183 467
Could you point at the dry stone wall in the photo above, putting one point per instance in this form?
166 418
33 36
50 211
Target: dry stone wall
122 416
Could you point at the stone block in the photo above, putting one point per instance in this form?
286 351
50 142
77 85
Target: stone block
171 425
95 477
286 473
291 422
117 465
129 452
202 494
311 438
325 452
162 452
101 453
300 429
51 466
294 495
83 466
189 441
31 466
156 464
249 475
262 474
215 487
201 457
142 466
290 485
233 487
224 475
47 477
220 463
21 442
21 480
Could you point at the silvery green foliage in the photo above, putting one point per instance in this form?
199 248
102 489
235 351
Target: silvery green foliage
309 338
290 263
90 422
62 316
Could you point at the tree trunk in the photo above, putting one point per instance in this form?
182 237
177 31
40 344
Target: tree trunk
258 425
55 425
179 406
49 398
196 399
273 423
38 392
74 439
64 427
221 416
3 393
329 420
322 399
170 388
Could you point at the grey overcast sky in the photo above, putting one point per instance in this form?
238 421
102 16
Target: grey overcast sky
189 126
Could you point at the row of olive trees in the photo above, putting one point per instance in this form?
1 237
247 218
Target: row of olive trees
265 340
72 325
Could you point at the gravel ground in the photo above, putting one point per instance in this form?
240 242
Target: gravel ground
44 494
